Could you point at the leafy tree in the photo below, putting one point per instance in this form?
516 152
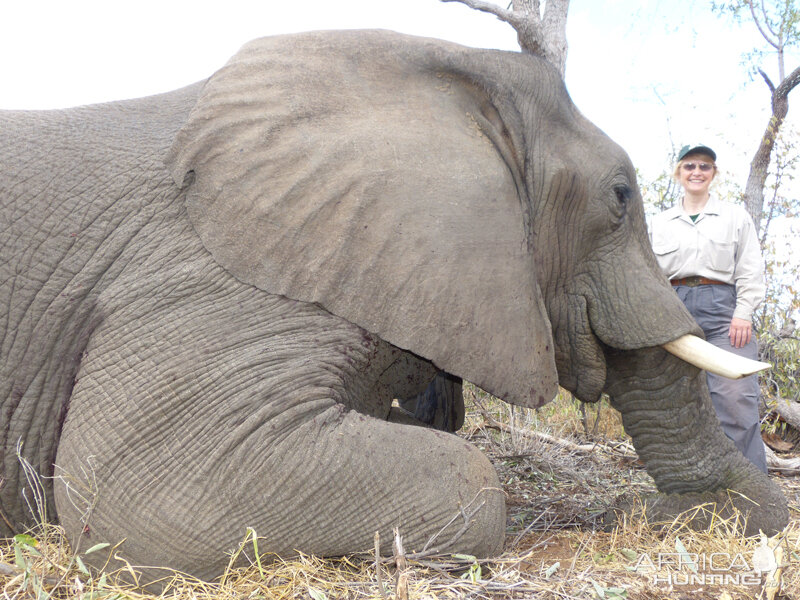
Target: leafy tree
659 194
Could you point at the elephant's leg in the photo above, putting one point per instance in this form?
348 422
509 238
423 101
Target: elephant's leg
192 423
441 405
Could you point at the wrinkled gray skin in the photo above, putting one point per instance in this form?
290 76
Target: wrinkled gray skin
211 296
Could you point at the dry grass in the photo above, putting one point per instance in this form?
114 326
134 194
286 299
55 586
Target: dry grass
555 546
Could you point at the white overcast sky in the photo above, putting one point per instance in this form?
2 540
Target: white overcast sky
651 75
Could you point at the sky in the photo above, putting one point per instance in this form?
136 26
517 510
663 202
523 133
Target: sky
652 75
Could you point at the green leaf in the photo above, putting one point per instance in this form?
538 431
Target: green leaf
465 557
551 569
254 535
474 574
81 567
686 559
26 540
97 547
629 554
41 593
597 589
317 594
19 558
602 559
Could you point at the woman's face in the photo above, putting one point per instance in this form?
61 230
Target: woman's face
696 180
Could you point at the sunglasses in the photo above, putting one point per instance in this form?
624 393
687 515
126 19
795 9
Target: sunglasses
690 166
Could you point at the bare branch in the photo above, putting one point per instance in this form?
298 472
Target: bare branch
555 13
378 564
767 80
756 20
543 37
401 575
468 520
786 466
555 32
768 23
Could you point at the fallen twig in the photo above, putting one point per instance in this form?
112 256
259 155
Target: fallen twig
401 576
492 423
378 564
786 466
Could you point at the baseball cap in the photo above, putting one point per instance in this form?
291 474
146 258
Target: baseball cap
696 149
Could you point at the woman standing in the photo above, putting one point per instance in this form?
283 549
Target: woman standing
709 250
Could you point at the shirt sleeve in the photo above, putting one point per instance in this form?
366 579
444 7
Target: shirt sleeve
749 269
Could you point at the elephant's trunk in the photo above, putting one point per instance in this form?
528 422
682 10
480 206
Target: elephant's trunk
667 410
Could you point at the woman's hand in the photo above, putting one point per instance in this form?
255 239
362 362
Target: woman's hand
740 332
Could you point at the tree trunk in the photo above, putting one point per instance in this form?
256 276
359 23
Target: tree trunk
542 35
754 190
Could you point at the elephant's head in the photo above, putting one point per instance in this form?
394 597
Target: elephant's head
454 202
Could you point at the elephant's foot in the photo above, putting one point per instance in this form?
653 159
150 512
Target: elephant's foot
704 511
440 406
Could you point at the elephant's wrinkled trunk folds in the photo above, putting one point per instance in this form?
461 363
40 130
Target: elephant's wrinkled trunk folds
667 410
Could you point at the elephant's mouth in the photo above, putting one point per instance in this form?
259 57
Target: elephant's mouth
591 339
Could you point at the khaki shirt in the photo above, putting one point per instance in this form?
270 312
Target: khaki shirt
722 244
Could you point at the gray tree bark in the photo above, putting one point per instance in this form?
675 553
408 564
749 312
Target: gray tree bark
540 33
754 189
790 411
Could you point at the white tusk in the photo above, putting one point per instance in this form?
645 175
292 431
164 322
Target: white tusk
715 360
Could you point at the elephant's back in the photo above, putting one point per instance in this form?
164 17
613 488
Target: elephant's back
86 148
75 187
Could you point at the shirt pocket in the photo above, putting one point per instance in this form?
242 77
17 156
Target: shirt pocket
665 246
721 256
666 251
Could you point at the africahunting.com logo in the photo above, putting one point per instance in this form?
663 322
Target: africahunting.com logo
681 568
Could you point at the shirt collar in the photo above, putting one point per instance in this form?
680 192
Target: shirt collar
674 212
712 207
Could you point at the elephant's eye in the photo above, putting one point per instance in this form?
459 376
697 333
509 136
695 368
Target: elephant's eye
623 193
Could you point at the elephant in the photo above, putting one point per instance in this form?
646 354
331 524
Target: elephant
212 297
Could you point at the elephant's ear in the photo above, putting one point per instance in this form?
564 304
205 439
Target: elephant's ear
354 170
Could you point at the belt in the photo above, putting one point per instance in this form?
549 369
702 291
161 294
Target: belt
695 281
